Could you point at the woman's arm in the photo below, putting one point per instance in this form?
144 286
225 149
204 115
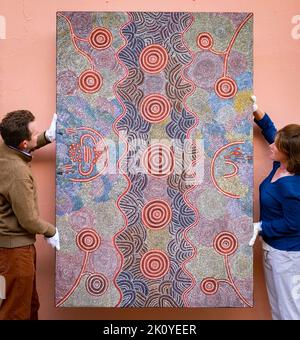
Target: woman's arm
268 128
264 122
258 114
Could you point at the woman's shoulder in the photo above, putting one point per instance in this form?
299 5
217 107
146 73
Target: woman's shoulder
289 186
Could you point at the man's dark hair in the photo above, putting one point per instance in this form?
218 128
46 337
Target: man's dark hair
14 127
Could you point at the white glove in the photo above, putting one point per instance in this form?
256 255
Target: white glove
254 105
51 132
2 288
54 240
256 230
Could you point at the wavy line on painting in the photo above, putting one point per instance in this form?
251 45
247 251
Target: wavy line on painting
185 195
121 158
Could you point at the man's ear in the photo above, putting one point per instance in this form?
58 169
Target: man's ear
23 145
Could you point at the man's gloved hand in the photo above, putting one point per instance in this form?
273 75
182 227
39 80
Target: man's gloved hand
254 105
51 132
2 288
54 240
256 230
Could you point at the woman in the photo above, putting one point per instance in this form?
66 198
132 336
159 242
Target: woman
280 218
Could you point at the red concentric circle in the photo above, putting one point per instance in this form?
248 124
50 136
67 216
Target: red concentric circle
225 243
154 264
209 286
96 284
226 87
88 240
155 108
158 160
153 58
100 38
156 214
90 81
205 41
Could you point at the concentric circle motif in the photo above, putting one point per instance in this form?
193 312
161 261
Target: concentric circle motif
205 41
155 108
154 264
90 81
96 284
88 240
225 243
209 286
153 58
226 87
158 160
156 214
100 38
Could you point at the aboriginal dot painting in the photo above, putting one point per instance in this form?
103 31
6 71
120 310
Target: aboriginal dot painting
154 159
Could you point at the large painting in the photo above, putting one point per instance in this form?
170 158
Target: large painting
154 159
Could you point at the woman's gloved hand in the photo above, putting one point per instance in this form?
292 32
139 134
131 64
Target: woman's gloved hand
254 105
256 230
257 112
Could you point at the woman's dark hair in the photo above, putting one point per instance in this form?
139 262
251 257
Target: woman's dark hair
14 127
288 142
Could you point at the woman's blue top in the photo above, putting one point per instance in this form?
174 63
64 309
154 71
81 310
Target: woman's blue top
279 202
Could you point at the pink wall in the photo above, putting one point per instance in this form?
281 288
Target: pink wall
27 80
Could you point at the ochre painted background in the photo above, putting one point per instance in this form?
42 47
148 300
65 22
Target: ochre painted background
27 80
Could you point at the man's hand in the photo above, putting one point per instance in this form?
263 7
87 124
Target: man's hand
54 240
2 288
256 230
51 132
